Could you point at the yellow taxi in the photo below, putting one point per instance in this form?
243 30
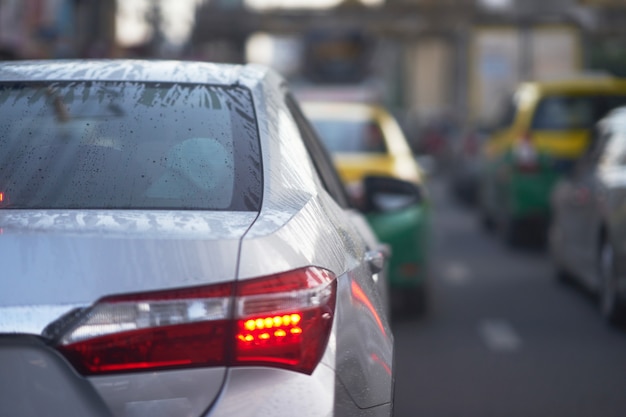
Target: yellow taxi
544 128
365 140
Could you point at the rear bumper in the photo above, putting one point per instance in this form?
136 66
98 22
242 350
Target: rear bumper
36 380
259 392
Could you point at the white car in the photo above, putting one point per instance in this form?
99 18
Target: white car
175 242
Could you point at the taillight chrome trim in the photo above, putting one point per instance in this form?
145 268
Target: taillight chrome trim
247 306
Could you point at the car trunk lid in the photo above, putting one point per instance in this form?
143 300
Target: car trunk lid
53 261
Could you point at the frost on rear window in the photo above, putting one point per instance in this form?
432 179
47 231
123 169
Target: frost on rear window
128 145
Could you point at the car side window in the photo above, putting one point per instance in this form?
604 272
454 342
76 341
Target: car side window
321 159
562 113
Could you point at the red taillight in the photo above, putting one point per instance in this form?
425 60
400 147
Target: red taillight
281 320
162 329
525 155
296 334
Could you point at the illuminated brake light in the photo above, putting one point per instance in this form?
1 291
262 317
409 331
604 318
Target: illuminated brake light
282 320
1 196
297 336
277 328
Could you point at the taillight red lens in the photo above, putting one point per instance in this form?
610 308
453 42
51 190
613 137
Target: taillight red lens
161 329
187 345
296 335
282 320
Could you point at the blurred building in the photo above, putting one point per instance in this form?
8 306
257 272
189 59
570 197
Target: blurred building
442 61
56 28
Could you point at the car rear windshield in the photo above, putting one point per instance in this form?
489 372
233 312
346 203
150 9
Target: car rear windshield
573 112
128 145
350 136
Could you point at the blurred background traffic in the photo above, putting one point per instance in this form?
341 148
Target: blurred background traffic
438 64
503 105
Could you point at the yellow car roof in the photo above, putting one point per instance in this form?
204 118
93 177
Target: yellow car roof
398 161
575 86
343 110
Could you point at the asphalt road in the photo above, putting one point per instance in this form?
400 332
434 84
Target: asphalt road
502 338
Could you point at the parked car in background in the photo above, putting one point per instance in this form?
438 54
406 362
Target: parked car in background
174 241
544 130
466 163
588 229
366 141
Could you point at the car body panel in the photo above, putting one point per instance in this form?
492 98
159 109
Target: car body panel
73 246
165 393
561 145
277 393
288 217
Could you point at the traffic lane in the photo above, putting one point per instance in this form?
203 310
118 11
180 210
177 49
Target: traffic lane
502 337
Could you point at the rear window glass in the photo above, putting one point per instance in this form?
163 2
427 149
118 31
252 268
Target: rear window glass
350 136
573 112
128 145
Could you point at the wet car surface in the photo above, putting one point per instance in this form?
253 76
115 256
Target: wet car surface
173 241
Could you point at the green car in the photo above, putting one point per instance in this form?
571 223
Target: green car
406 229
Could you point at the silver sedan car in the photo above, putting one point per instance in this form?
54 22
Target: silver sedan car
174 242
588 228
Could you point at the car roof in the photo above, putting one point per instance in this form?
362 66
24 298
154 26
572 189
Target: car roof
132 70
342 109
578 85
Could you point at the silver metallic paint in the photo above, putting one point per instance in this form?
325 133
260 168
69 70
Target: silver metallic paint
299 224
